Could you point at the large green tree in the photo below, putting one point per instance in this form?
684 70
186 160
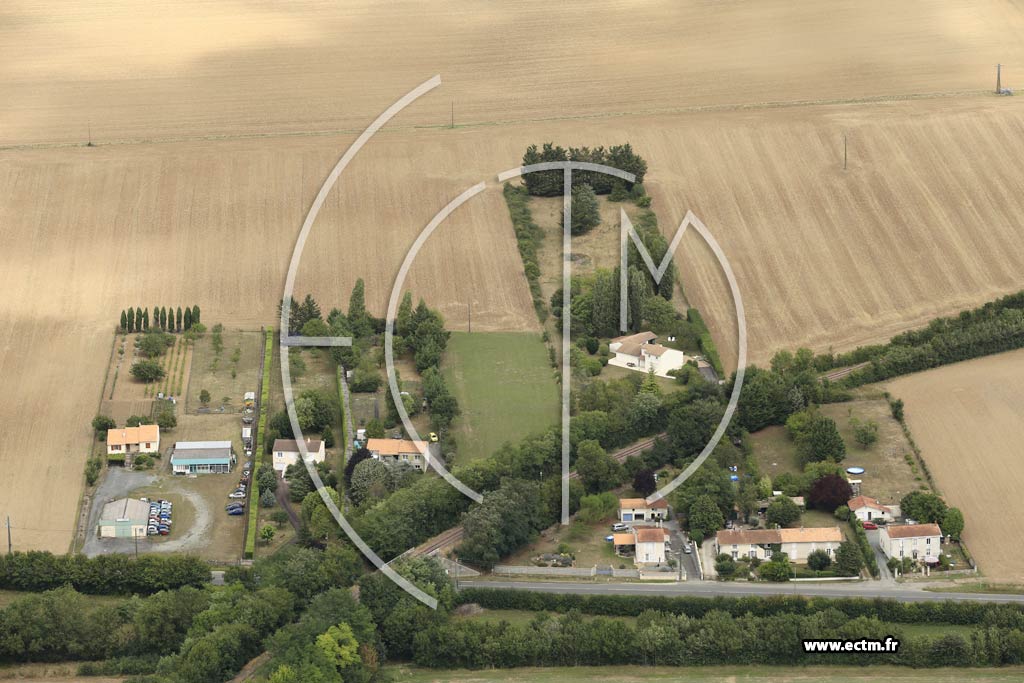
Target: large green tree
598 470
704 516
585 212
923 507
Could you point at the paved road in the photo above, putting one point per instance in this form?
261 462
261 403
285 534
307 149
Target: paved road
712 589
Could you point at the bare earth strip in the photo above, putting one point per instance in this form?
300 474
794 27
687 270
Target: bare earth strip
968 420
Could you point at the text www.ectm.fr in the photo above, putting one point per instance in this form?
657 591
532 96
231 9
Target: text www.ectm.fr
890 644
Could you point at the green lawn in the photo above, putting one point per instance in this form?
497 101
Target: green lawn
730 674
505 388
888 475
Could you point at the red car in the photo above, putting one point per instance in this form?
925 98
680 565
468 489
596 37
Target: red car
870 525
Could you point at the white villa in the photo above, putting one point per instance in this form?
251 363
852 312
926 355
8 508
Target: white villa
647 544
286 452
641 352
870 510
917 541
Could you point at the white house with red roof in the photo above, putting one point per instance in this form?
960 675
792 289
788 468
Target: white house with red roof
916 541
639 510
646 543
870 510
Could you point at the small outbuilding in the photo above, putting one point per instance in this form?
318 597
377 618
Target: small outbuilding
123 518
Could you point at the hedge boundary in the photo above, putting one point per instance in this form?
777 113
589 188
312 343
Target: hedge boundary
886 609
251 530
707 343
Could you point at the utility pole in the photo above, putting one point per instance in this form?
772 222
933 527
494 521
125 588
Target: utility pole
844 151
10 545
999 78
469 307
135 535
453 114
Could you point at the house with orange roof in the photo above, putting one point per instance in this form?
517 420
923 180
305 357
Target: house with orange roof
396 451
916 541
870 510
762 543
639 510
647 545
126 441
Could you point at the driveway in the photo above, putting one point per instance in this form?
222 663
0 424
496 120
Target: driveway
884 575
118 484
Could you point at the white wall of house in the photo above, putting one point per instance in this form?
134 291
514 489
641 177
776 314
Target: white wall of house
650 553
916 548
870 514
282 459
798 552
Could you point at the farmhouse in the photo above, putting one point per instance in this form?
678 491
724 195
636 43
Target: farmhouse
393 451
130 440
642 352
124 518
286 452
761 543
639 510
646 544
868 510
202 457
917 541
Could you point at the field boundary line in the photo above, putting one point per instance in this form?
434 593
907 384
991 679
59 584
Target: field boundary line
694 109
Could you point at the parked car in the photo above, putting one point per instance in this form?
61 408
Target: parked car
869 525
152 531
236 504
687 549
237 494
619 526
433 437
234 512
165 531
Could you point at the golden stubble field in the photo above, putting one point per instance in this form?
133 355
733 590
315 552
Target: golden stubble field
920 224
968 421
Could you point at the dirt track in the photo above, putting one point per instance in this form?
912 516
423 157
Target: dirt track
922 223
968 421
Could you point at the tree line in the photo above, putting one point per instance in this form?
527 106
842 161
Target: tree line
657 638
550 183
165 319
101 575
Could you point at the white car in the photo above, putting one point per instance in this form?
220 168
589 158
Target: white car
237 494
619 526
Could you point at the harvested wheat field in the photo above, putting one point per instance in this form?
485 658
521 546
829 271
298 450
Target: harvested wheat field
968 421
246 108
174 68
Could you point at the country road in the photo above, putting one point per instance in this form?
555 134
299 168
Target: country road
714 589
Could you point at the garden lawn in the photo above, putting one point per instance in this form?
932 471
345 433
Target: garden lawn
505 388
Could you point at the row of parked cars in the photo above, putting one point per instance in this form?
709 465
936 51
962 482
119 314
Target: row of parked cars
160 512
237 506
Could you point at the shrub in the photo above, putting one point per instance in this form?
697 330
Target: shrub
842 513
100 424
864 433
147 371
818 560
93 466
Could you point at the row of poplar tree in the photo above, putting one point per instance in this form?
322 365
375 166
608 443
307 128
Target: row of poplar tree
164 319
